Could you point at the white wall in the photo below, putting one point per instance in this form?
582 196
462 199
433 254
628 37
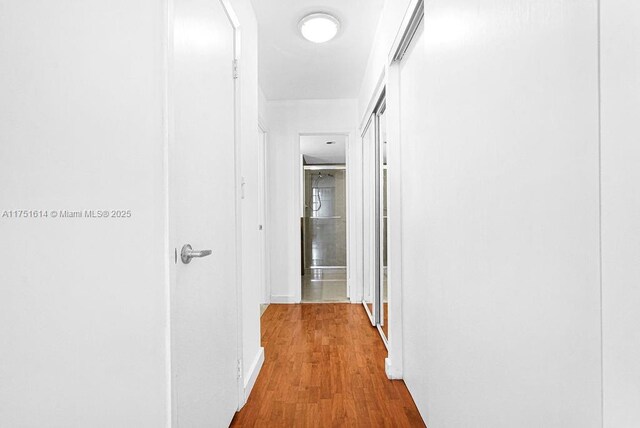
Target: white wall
620 61
82 302
287 120
500 242
505 215
262 108
251 285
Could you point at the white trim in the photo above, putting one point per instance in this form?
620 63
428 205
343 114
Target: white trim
377 215
356 271
347 196
298 224
252 375
235 23
373 102
264 198
384 338
382 234
297 184
394 225
367 204
407 21
302 186
391 370
169 227
354 210
262 124
369 314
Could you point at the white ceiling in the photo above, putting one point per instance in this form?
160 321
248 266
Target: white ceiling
316 151
294 68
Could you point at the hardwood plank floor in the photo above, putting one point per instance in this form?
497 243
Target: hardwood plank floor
324 366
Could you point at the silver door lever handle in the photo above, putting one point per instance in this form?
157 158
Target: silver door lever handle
187 253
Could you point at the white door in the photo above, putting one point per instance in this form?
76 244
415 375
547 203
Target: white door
204 319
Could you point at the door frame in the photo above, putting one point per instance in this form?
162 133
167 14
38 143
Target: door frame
170 224
381 235
370 125
299 208
263 180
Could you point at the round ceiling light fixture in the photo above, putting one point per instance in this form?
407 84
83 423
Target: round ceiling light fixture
319 27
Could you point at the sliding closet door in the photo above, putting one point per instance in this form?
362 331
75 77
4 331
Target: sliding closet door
374 166
368 219
381 223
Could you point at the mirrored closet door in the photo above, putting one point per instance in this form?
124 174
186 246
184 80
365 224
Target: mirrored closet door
374 158
368 221
381 226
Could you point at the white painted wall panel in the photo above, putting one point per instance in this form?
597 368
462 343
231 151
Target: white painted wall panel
500 218
620 61
82 301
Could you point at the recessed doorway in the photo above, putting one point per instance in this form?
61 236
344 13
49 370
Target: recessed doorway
323 223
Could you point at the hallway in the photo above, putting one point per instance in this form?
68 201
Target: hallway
320 213
324 366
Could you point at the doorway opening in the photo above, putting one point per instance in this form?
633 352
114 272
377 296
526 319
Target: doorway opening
323 223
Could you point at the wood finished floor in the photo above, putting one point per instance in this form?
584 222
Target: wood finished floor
324 367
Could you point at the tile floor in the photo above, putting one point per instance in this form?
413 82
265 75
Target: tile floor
324 285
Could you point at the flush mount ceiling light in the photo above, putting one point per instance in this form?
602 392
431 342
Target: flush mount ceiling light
319 27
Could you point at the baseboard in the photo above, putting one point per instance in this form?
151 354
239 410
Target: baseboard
392 373
254 370
283 298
